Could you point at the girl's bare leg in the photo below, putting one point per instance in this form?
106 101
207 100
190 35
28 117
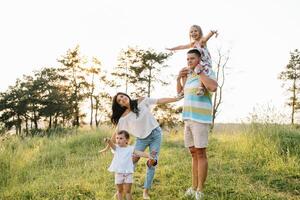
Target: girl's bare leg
120 191
127 190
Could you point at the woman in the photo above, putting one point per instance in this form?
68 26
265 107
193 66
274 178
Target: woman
135 117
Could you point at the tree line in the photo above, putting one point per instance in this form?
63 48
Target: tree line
54 96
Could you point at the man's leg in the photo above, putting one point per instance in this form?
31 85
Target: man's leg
189 143
195 168
200 136
202 167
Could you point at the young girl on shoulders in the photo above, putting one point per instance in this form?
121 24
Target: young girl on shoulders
198 41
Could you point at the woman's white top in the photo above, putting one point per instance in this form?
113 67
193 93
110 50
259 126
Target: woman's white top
122 161
142 125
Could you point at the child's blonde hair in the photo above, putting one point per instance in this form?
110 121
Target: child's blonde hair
198 29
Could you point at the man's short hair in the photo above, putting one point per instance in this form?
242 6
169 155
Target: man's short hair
195 51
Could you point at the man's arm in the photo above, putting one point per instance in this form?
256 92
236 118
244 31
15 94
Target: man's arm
183 72
179 86
210 84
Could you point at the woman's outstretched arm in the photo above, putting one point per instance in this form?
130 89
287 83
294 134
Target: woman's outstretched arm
167 100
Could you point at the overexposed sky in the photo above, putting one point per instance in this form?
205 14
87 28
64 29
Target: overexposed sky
259 33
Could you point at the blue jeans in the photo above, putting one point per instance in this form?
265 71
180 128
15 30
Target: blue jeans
153 141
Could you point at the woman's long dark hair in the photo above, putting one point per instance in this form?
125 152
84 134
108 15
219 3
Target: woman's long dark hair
118 110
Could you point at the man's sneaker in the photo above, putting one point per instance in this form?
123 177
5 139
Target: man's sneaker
199 195
190 192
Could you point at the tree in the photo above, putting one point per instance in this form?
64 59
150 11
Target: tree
73 68
13 106
141 69
220 76
93 71
167 115
291 76
152 64
102 107
128 59
53 95
98 86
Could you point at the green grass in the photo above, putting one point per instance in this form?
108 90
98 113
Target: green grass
256 162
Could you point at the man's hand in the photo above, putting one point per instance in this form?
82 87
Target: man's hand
183 72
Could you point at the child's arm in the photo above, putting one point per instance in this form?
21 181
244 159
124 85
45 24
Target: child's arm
180 47
110 143
208 36
142 154
113 138
105 149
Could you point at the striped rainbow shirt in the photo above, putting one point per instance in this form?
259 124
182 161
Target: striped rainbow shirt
197 108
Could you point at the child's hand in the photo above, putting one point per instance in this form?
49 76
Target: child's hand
107 140
215 32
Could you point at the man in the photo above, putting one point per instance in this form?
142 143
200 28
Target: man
197 118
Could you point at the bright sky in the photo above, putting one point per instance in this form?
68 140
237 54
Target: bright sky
260 35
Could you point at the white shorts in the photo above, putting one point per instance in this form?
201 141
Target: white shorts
121 178
195 134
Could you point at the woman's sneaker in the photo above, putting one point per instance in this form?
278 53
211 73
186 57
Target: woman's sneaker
199 195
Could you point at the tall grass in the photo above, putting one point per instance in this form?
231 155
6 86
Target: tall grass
259 161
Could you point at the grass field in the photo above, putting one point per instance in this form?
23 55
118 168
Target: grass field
257 161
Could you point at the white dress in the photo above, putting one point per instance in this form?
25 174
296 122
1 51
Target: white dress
122 161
